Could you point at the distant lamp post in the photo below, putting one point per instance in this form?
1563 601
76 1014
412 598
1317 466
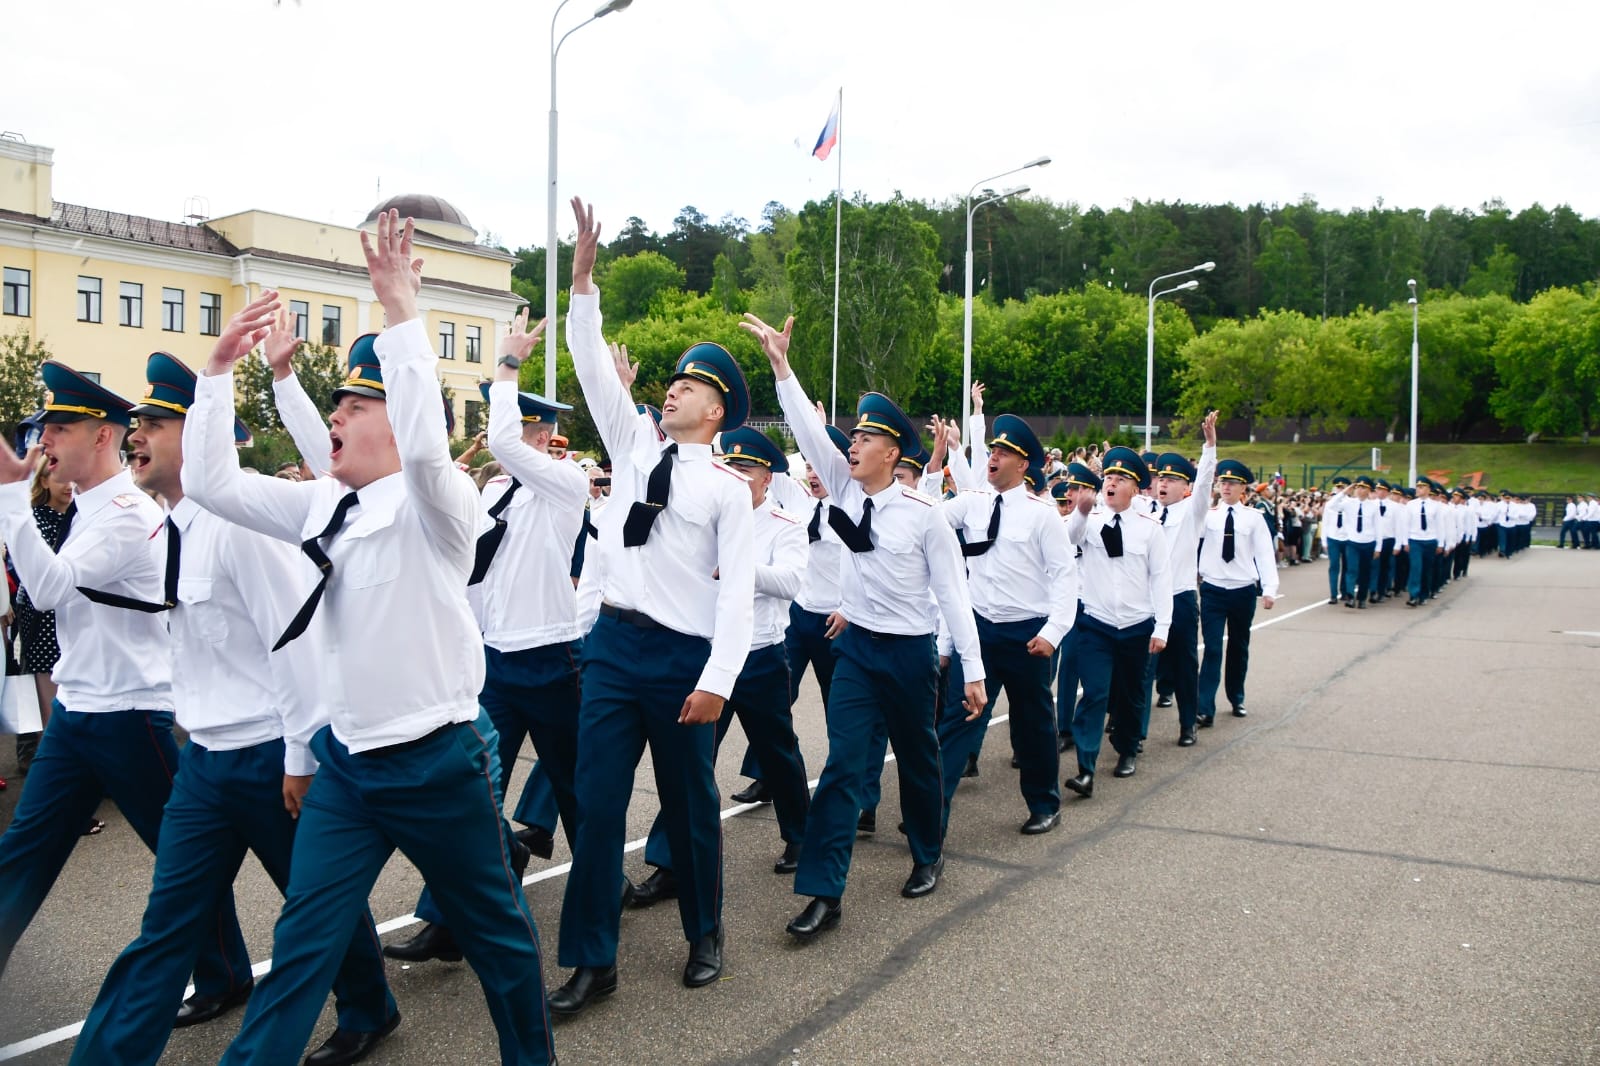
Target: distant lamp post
1412 284
1150 340
966 322
550 247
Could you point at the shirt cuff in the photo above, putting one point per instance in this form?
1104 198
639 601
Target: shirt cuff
1053 633
1160 632
16 498
407 342
972 670
297 759
214 384
717 681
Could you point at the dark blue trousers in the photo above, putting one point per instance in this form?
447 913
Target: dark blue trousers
634 683
537 807
1384 579
1358 560
531 693
878 682
1177 669
1230 610
82 758
1026 680
359 810
1419 580
805 643
760 701
1112 664
1336 567
1067 682
223 804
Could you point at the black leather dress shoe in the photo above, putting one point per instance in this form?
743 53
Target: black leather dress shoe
1413 603
820 915
1040 823
1083 784
924 879
587 984
1064 743
345 1046
537 839
1186 737
1138 749
198 1009
1240 712
705 961
754 792
1016 762
1164 701
660 885
431 942
790 862
971 769
1205 721
520 857
1127 766
628 892
867 822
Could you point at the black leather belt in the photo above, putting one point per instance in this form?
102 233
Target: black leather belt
631 617
407 745
875 635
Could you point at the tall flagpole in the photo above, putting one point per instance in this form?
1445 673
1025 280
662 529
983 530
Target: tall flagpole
838 231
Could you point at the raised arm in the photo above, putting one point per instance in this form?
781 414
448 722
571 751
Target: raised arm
211 471
562 483
53 579
296 409
1200 498
833 470
610 406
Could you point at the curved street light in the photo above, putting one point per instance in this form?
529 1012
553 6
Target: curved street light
1412 284
1150 339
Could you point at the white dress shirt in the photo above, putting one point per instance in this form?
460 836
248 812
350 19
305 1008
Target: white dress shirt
915 567
1416 511
1335 525
112 659
1392 518
401 653
1253 556
1362 514
780 553
1184 521
1136 586
528 598
705 529
1029 571
301 418
819 589
237 590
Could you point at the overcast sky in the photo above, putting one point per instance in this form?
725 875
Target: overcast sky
304 108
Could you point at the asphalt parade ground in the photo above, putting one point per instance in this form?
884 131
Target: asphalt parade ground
1394 858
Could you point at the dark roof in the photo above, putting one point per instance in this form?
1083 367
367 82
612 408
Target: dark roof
361 270
423 208
76 218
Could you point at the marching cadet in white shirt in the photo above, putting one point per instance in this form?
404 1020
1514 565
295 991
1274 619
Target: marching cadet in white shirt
676 543
1024 588
246 768
1363 527
1236 555
903 559
111 731
1424 526
1125 614
392 534
522 571
1333 536
1184 495
1391 525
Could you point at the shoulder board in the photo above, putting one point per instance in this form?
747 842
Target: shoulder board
985 492
1041 499
913 494
498 479
125 500
784 517
153 532
1148 517
730 471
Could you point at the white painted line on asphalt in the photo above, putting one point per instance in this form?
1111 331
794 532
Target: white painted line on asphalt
1578 633
67 1032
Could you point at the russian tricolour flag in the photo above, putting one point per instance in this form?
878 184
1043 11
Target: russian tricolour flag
829 137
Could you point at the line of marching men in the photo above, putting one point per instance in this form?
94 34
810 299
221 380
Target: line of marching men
1383 540
336 648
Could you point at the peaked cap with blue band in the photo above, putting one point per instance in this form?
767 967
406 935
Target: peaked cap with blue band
1171 464
1080 475
915 454
1127 462
876 413
365 374
1034 477
534 408
1367 481
1150 459
1014 434
170 393
73 397
840 439
746 445
1234 470
713 364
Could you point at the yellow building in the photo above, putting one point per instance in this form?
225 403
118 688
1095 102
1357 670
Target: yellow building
102 290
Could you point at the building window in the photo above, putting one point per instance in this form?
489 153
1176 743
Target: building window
447 340
330 325
472 420
130 301
172 310
210 314
474 344
300 311
19 287
92 375
88 299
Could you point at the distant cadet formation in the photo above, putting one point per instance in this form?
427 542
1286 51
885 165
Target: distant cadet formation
337 647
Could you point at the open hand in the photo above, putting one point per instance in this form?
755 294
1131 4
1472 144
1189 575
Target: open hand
518 343
774 342
14 468
1208 426
584 252
977 397
247 328
396 276
627 372
280 345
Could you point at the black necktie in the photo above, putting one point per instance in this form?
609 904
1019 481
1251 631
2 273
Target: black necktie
314 552
858 538
1382 508
169 598
814 530
1111 537
970 550
1358 518
1163 516
1337 525
489 540
1227 537
1423 507
643 514
66 524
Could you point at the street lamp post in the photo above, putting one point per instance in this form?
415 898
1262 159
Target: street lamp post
966 320
550 246
1412 284
1150 340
